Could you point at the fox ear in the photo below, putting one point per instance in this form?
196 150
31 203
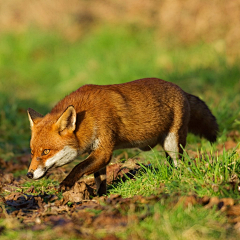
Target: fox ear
33 116
67 121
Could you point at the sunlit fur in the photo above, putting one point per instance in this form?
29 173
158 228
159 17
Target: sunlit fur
64 156
99 119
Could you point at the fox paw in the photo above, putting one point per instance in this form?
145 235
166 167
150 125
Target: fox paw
64 186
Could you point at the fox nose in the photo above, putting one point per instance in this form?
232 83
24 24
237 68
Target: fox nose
30 175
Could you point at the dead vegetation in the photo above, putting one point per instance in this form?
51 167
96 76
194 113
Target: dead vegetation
80 213
75 217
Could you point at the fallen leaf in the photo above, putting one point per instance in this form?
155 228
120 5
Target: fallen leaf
7 178
23 202
205 200
80 191
212 202
234 210
13 196
234 220
234 134
110 221
224 203
215 187
186 201
31 190
119 170
83 218
237 227
111 237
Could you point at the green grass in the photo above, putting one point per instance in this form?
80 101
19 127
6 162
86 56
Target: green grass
39 68
42 186
208 175
193 222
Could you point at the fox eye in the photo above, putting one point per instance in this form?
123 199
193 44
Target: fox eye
45 151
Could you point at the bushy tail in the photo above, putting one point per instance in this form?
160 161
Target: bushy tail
202 122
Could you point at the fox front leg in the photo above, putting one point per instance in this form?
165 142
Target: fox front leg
101 181
95 163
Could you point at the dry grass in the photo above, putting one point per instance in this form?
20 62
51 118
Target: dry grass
215 21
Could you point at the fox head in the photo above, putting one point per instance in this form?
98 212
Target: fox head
53 141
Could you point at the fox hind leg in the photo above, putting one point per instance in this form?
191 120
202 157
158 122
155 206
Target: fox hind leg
173 145
170 145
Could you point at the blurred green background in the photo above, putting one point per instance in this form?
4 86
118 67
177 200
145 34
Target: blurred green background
50 48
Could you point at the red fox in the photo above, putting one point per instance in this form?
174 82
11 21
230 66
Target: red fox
99 119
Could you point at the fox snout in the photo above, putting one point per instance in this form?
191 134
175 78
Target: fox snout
36 174
30 175
38 168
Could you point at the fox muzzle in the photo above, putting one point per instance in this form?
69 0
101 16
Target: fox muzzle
30 175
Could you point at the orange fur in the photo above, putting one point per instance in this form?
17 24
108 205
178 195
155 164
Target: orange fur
141 114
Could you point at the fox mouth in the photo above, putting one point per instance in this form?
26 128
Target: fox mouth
65 156
37 174
46 171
